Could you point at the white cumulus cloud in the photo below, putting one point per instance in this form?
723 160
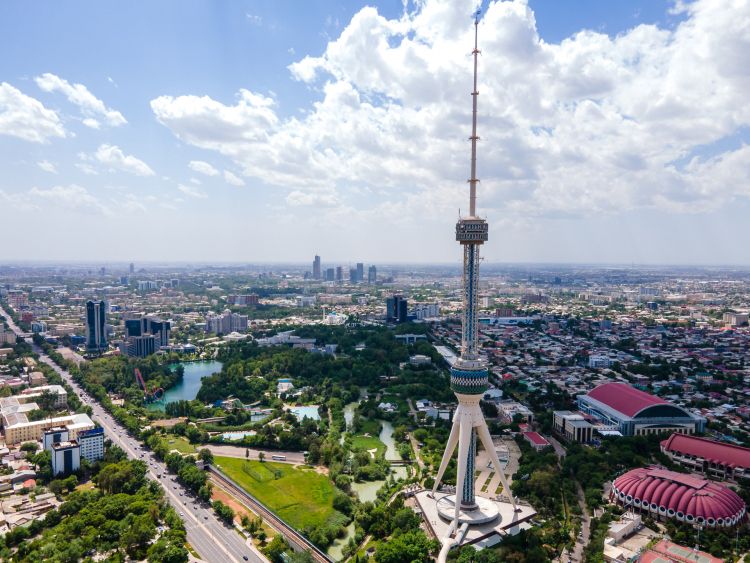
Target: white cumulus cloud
192 191
203 168
72 197
92 107
112 156
26 118
592 124
47 166
233 179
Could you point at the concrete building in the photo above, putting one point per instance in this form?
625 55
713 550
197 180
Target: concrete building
139 346
18 428
92 443
396 309
54 436
316 268
715 460
635 412
572 426
57 392
372 274
66 457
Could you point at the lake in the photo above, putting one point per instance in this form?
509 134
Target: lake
187 389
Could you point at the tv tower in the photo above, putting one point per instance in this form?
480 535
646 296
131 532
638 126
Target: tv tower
469 374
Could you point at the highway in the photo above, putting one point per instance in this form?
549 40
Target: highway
211 539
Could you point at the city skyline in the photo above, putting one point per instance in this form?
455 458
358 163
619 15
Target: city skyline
244 122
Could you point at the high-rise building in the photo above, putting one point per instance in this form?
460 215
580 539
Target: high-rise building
469 376
353 275
132 268
149 325
96 337
339 274
139 346
316 267
360 272
372 274
396 309
330 274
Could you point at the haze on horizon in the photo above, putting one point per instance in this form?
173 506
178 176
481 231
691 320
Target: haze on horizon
265 133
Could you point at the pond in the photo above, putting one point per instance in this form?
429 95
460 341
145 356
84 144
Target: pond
336 549
187 389
229 436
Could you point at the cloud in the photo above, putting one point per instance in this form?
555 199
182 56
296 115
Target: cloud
593 124
233 179
253 19
72 197
203 168
112 156
26 118
86 168
298 198
47 166
192 192
77 94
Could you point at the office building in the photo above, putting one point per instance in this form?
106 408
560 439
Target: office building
396 309
360 272
124 280
96 336
132 268
330 275
316 267
54 436
715 460
226 322
139 346
249 300
149 325
572 426
634 412
372 274
339 274
66 457
92 443
426 311
147 285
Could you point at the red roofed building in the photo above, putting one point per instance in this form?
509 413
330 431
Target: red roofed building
717 460
634 412
537 441
686 498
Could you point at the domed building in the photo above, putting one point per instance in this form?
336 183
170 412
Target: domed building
685 498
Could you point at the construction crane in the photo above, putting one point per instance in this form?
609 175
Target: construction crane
152 395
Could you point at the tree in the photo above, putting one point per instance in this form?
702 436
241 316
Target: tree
261 456
406 548
276 548
223 511
206 455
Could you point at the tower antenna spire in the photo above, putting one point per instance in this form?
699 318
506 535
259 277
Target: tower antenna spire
474 138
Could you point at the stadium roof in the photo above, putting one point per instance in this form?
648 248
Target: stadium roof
677 495
625 399
719 452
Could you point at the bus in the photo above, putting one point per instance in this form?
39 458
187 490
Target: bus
278 457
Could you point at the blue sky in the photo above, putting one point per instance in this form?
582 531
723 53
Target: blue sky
339 128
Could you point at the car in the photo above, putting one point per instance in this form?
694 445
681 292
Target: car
182 514
205 516
245 557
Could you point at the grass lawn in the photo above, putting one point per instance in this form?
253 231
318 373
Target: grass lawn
369 443
181 445
302 497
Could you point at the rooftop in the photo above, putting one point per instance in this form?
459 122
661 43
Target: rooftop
727 454
625 399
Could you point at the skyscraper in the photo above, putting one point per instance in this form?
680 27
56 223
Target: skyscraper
469 374
372 274
316 267
360 272
339 274
96 337
396 309
132 268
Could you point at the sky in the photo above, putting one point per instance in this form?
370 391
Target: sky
271 131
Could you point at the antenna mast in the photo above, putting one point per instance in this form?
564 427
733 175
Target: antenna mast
473 180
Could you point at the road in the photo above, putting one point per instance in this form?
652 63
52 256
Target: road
296 458
211 539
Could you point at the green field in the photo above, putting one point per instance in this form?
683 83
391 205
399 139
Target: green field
181 445
369 443
302 497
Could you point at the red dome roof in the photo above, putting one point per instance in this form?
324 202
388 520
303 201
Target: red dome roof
624 398
677 495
